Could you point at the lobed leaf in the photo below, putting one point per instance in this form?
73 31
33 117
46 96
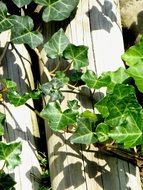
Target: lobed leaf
77 54
5 22
83 134
136 72
57 10
2 119
123 114
10 154
22 31
56 45
102 132
21 3
6 181
57 119
134 54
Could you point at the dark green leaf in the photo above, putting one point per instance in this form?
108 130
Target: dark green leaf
90 78
2 119
22 32
134 54
16 99
56 45
84 134
36 94
5 22
77 54
136 72
57 119
6 182
57 9
21 3
10 154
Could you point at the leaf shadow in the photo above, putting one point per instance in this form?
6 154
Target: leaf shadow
78 165
106 14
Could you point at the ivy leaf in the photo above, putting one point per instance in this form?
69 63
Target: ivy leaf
6 181
10 85
2 119
58 9
5 22
77 54
134 54
21 3
90 115
52 89
102 132
73 105
22 31
62 77
117 77
136 72
56 45
83 134
57 119
16 99
123 114
10 154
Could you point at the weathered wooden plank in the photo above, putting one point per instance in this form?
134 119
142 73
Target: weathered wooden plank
97 25
21 123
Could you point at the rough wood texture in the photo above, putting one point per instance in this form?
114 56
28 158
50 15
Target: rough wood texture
97 25
21 123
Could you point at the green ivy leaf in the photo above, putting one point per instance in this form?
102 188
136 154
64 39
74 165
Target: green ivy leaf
56 45
16 99
134 54
52 89
9 84
90 115
57 119
2 119
122 112
10 154
136 72
21 3
73 105
22 31
102 132
90 78
6 181
77 54
5 22
62 77
57 9
83 134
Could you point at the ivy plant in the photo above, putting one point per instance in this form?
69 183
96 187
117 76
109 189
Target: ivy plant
120 114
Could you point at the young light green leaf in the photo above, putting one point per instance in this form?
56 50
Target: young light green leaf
57 9
57 119
117 77
83 134
62 77
10 154
6 181
56 45
9 84
22 31
77 54
134 54
136 72
90 115
5 22
21 3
